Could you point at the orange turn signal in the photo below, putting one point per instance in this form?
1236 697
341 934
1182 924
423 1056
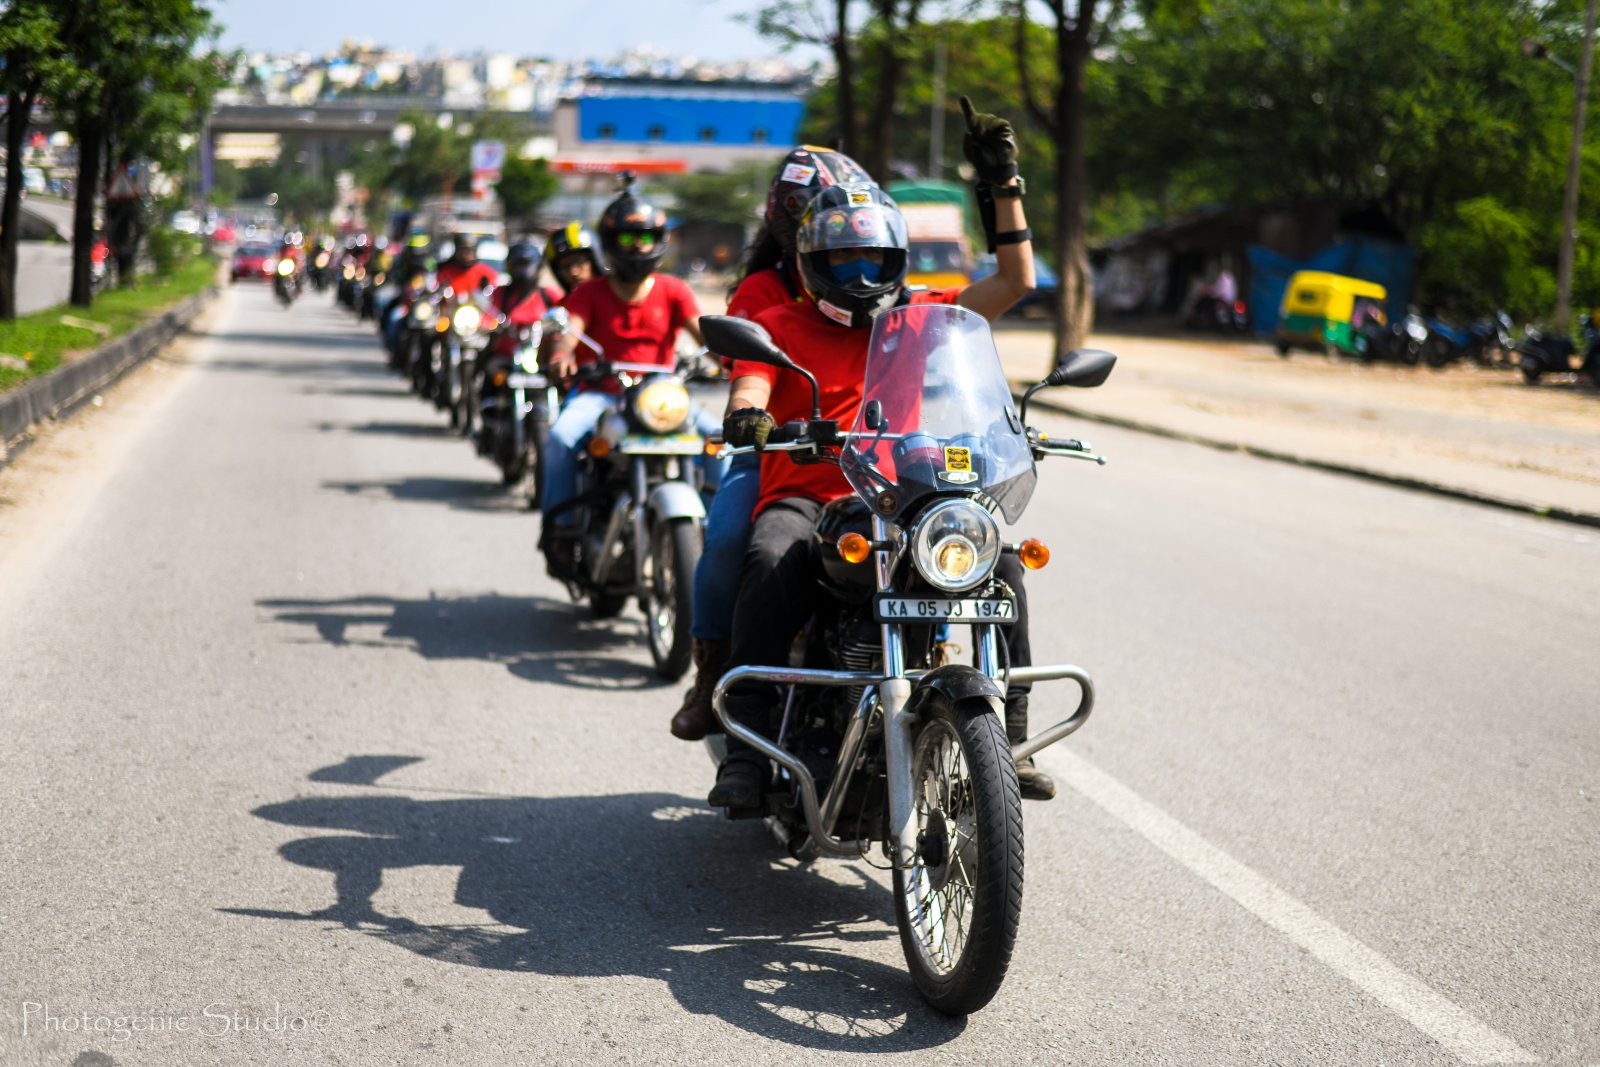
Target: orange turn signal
713 448
853 548
442 324
599 447
500 378
1034 554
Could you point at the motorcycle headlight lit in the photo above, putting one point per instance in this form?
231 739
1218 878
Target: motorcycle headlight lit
662 406
423 311
322 260
466 319
285 267
528 358
349 272
956 545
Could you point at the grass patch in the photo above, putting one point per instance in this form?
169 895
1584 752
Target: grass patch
44 342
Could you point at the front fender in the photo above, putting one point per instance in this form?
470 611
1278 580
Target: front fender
675 500
956 682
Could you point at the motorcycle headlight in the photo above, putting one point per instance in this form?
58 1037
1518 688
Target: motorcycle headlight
528 358
423 311
662 406
466 319
349 272
956 545
285 267
322 260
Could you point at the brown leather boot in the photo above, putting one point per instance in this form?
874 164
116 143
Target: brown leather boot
696 719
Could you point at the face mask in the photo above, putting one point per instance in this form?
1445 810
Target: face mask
856 270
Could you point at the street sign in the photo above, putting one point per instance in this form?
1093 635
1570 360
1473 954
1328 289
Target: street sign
488 155
123 184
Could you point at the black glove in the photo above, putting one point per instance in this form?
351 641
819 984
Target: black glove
990 145
747 426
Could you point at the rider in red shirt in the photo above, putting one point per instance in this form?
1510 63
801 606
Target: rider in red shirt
853 253
463 272
632 315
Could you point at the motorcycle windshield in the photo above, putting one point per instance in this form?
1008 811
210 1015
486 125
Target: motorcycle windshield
937 415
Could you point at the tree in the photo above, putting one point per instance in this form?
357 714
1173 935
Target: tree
524 186
826 23
1078 31
28 47
738 196
135 83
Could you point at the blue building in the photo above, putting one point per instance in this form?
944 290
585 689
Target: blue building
722 114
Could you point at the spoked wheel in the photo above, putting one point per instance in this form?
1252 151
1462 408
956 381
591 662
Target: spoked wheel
674 551
959 901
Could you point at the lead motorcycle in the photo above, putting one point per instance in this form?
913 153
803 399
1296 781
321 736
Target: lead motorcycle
879 745
639 504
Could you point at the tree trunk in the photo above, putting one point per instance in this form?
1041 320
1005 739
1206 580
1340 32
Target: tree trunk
880 127
1075 300
846 80
17 120
90 141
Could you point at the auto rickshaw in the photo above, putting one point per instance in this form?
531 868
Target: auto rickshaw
1319 311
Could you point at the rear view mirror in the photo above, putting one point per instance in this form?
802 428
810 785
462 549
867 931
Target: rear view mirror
1083 368
736 338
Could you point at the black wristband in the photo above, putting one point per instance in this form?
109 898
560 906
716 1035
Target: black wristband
995 175
1015 237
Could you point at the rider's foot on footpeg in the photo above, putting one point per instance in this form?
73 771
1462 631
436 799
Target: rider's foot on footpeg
1036 785
739 784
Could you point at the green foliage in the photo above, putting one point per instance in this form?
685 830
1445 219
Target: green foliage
437 158
524 186
738 196
169 250
43 341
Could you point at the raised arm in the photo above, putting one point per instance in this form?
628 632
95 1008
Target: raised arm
991 147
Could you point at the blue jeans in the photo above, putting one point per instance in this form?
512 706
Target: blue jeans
716 579
579 416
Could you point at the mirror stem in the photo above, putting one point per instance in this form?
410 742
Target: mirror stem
1022 412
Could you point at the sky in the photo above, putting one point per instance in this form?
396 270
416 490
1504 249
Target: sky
564 29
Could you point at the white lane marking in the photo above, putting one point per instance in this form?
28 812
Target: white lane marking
1455 1029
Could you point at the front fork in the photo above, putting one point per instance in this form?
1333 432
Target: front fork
899 724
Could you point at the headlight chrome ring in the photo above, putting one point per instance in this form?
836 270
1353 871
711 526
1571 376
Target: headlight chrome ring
956 545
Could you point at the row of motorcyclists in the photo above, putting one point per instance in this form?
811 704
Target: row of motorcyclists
731 532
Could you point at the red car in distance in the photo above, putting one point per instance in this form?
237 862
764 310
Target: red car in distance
252 261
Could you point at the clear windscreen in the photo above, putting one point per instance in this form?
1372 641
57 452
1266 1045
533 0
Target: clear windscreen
937 415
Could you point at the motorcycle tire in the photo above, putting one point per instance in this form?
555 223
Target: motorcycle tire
607 605
1531 370
675 546
984 878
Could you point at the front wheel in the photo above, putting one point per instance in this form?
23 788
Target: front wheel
674 552
960 899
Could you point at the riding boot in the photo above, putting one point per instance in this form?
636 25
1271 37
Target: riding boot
696 718
1036 785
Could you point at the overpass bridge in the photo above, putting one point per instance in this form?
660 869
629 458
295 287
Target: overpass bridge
327 128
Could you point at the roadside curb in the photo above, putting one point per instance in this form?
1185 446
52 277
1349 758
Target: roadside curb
1401 481
69 386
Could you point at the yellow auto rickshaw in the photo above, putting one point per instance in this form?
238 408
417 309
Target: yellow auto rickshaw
1324 311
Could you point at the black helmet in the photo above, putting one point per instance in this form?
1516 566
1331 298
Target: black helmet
633 235
844 217
804 173
465 245
522 261
565 240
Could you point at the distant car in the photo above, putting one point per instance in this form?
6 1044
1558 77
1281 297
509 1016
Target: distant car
250 261
224 234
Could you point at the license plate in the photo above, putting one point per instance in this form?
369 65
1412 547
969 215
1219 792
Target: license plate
680 444
944 609
527 381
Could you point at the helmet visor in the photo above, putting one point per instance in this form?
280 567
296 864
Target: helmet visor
863 224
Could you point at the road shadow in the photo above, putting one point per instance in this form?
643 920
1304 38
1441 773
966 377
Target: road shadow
390 429
368 341
462 494
298 368
535 638
398 392
646 885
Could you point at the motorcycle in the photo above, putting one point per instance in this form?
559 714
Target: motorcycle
286 281
418 338
471 321
321 269
879 744
515 402
639 507
1540 353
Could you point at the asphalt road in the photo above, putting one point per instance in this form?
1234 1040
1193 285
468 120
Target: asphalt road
305 762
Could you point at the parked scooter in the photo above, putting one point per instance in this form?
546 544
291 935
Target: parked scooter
1540 353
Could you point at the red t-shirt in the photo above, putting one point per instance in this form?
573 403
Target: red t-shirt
646 332
466 279
528 311
762 290
837 355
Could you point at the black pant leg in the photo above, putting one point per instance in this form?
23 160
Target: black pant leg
778 591
1018 647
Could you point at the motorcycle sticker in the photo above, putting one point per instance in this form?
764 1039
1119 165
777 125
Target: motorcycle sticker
837 314
958 466
798 173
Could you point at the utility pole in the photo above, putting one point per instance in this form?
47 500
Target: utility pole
1569 207
936 123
